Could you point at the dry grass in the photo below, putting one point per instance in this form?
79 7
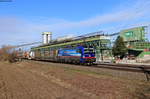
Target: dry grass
101 82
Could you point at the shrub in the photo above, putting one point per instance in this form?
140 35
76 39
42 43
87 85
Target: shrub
7 53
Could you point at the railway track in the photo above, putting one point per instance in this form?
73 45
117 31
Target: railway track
127 67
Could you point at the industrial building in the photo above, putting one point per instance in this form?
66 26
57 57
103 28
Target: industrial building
97 40
137 42
135 39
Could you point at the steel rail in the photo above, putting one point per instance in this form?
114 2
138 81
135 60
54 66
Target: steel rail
127 65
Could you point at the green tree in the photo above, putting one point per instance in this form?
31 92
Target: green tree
119 48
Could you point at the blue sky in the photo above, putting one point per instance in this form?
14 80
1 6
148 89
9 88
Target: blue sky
22 21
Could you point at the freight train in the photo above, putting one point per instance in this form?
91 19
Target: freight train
75 55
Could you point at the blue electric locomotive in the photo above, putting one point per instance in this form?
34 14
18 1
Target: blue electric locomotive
77 55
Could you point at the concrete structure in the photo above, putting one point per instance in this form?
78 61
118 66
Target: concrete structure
47 37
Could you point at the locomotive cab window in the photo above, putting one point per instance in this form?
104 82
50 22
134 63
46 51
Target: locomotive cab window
79 51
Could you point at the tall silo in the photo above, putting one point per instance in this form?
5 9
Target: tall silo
47 37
